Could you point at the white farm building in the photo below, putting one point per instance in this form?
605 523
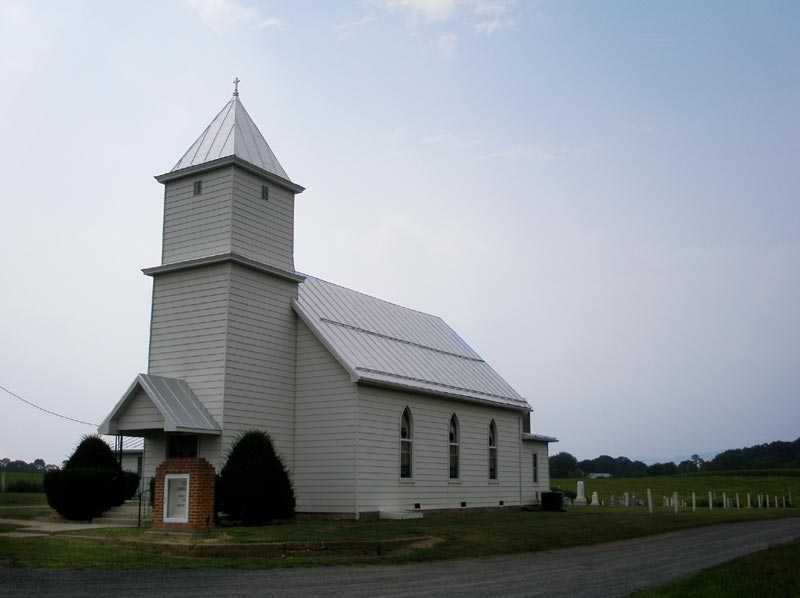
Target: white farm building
373 406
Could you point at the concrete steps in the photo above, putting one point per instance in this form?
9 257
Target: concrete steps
127 514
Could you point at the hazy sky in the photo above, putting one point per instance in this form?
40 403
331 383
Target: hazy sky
600 197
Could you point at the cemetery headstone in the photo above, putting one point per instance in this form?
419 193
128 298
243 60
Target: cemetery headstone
580 499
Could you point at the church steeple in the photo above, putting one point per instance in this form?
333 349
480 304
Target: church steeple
232 133
229 195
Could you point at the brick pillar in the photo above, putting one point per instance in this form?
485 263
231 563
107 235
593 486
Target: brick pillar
201 495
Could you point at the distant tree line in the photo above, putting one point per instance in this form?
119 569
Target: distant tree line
38 466
774 455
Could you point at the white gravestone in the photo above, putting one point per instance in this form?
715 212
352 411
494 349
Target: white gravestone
626 500
710 502
595 500
580 500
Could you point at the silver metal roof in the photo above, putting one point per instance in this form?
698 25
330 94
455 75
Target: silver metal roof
539 438
382 343
177 403
232 133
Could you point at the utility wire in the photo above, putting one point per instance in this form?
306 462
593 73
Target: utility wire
72 419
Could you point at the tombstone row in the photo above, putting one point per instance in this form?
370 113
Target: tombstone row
673 502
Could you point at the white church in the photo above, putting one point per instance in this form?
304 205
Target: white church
374 407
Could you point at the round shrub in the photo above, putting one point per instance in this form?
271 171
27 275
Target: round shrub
254 485
90 483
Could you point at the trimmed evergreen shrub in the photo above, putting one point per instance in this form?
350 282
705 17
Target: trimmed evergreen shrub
254 485
90 483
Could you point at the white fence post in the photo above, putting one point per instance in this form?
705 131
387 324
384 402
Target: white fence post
694 503
710 502
650 501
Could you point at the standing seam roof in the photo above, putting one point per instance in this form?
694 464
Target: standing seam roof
232 133
381 342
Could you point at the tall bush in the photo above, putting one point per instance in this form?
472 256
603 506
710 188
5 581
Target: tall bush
90 482
254 485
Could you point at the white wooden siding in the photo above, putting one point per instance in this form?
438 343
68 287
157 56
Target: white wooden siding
529 489
140 414
260 358
325 439
198 225
155 451
379 484
262 229
188 331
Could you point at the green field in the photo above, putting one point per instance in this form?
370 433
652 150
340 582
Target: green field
684 485
26 482
771 572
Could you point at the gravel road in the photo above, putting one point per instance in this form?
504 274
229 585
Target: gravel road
614 569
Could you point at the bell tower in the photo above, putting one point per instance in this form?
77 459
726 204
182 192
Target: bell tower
222 319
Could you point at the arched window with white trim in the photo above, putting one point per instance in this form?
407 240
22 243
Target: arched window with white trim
454 440
492 451
406 443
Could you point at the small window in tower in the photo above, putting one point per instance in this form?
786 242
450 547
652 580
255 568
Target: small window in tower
264 192
198 187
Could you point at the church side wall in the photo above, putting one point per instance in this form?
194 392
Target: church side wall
379 482
260 363
324 462
262 229
197 225
188 331
530 489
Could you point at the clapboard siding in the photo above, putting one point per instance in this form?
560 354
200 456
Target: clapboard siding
532 491
189 329
155 451
379 482
262 229
140 414
325 438
259 360
198 225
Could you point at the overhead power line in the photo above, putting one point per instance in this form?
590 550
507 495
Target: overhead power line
35 406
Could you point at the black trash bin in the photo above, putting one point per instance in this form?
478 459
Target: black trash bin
552 501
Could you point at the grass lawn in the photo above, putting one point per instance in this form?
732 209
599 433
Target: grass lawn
771 572
24 505
684 485
466 536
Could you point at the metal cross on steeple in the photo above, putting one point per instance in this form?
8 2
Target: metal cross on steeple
236 86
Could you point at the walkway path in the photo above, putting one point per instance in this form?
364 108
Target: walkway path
28 528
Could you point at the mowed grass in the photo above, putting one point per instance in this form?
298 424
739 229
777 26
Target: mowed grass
684 485
24 505
465 536
771 572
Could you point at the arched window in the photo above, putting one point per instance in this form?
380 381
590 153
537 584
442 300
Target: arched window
454 443
492 451
406 441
